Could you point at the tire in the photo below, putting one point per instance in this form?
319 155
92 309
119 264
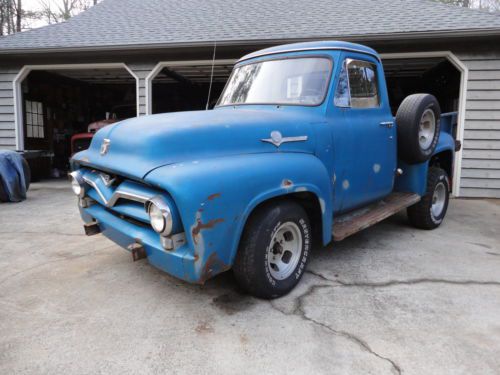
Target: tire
418 125
431 210
27 174
261 254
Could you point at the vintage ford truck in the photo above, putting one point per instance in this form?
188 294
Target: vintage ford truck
302 149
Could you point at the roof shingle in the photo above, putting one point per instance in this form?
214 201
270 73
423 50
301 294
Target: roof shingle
117 23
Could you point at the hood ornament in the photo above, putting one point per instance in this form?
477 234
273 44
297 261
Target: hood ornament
105 146
277 138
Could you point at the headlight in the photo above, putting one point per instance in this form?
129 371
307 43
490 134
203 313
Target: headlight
160 216
77 183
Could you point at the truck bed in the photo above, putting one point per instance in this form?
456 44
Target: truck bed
362 218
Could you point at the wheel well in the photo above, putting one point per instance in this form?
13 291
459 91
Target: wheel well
443 160
310 202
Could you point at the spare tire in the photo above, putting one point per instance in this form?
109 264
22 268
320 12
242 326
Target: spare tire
418 126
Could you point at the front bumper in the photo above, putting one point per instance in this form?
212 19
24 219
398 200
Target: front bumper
179 262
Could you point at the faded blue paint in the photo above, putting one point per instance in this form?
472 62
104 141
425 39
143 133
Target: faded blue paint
214 170
414 178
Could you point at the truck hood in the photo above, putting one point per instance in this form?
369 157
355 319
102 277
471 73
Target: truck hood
139 145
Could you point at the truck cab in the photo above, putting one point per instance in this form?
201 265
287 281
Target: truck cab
301 149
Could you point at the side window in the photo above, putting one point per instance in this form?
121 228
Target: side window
363 84
342 97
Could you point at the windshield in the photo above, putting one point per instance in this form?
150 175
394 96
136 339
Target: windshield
297 81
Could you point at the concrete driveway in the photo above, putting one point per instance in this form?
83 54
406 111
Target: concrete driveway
392 299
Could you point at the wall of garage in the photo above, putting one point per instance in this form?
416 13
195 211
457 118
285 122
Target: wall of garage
7 113
141 70
481 148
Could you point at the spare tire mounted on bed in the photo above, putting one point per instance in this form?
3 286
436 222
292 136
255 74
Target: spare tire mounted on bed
418 126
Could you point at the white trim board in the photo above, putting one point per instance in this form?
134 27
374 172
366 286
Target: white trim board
462 99
163 64
23 73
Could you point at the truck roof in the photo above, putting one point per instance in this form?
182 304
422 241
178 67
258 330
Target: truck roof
310 46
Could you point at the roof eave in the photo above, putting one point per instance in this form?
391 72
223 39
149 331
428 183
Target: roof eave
358 38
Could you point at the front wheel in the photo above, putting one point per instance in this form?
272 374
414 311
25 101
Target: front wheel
274 250
430 211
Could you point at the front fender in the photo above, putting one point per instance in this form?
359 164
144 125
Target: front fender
215 197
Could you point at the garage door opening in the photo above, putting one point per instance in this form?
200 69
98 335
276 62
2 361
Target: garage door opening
62 108
441 75
186 87
436 76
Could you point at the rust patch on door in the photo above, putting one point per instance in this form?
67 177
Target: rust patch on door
213 196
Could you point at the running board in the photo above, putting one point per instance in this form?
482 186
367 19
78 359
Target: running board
362 218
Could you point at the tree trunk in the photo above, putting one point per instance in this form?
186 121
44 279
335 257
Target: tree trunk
2 16
19 15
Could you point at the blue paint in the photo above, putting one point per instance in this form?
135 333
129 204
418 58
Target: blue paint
213 169
414 178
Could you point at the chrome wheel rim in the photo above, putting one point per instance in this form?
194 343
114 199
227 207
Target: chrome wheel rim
438 200
284 250
427 129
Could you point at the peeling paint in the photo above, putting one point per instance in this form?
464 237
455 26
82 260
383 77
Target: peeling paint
376 168
213 266
286 183
213 196
345 184
300 189
200 226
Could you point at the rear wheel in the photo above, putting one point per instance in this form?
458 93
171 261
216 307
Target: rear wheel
418 127
431 210
274 250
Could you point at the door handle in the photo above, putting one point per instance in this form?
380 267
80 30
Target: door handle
387 124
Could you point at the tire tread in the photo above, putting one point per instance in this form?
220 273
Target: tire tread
419 214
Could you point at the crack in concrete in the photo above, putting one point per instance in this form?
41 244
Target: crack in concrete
336 283
389 283
300 312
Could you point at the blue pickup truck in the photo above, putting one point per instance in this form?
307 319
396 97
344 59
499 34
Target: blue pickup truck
301 149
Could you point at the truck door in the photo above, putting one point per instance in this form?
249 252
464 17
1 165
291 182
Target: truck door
364 135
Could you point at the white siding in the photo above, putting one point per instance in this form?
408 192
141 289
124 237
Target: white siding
481 148
142 70
7 126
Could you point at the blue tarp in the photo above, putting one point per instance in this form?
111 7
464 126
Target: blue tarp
12 176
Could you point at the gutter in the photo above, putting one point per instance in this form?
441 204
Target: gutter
244 42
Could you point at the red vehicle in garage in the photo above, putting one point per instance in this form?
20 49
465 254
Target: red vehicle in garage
81 141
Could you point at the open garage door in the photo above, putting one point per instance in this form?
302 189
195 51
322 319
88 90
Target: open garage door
439 75
185 86
62 107
436 76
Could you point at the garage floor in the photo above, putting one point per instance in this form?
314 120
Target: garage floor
389 300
